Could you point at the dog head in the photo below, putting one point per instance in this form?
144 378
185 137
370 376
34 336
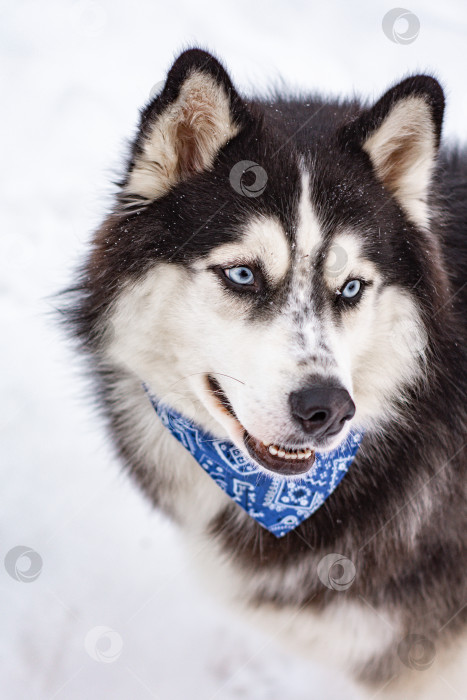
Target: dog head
265 268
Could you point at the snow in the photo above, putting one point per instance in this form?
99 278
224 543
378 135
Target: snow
73 75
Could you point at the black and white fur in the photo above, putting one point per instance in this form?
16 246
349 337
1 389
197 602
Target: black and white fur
368 181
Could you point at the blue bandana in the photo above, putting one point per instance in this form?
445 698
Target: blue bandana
279 504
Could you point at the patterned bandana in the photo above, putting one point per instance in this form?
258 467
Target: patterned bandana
279 504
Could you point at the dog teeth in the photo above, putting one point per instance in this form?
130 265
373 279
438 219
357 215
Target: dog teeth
283 454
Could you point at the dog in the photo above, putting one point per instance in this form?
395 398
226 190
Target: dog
281 278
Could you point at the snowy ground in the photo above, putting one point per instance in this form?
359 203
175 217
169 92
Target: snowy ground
73 75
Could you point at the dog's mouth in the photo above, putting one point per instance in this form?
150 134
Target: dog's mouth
274 457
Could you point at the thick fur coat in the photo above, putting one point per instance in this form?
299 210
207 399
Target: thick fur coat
344 191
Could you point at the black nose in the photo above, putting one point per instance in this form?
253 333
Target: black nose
322 410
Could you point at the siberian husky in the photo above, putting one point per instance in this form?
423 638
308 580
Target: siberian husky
284 275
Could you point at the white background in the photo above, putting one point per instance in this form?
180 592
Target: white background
73 75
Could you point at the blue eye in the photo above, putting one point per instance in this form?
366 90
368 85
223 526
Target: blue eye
240 275
351 289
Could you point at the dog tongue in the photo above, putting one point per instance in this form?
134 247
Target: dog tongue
274 463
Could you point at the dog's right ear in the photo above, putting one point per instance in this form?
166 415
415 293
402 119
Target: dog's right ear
184 127
400 135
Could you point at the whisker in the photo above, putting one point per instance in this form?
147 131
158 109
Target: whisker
194 374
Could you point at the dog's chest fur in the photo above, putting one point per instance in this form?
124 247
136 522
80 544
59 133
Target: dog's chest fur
275 584
275 596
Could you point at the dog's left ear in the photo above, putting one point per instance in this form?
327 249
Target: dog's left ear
184 127
401 135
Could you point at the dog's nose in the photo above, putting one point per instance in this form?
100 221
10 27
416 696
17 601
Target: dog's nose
322 410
